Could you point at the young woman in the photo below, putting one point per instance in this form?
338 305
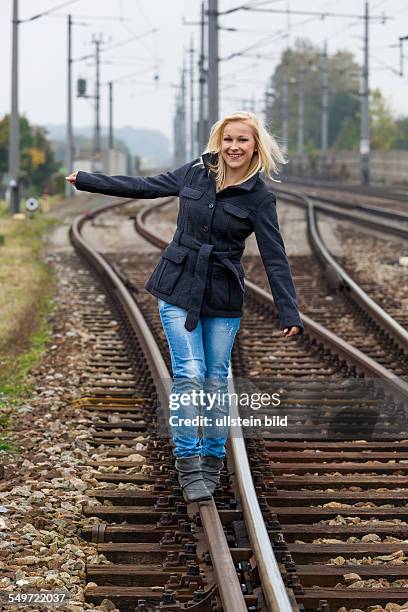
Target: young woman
199 280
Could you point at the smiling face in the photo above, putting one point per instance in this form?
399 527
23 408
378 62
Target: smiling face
238 145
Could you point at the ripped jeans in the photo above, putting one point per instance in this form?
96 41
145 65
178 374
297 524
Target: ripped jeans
200 361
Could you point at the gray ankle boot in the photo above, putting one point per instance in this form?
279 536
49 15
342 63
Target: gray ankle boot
191 480
210 469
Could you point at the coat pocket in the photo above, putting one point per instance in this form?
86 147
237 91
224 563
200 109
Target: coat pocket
225 291
235 211
235 291
189 192
219 287
170 267
237 220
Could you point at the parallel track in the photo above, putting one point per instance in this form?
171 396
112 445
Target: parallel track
170 549
357 195
323 414
281 461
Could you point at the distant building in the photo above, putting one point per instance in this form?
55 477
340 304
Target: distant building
115 162
112 161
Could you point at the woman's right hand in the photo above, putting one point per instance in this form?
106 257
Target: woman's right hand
71 178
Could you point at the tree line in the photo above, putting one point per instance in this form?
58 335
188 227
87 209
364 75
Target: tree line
344 111
42 171
39 169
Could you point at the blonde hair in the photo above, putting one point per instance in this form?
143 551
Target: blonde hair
267 157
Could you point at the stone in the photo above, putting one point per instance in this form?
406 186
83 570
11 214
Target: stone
351 577
107 605
29 560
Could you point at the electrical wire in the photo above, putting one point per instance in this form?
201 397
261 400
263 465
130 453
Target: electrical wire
390 68
44 13
128 40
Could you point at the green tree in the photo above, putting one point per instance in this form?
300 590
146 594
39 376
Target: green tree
349 136
343 101
402 138
37 158
383 128
344 123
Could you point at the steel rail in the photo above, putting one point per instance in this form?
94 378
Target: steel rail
362 362
275 593
359 190
228 584
358 213
273 587
329 340
395 215
394 329
353 356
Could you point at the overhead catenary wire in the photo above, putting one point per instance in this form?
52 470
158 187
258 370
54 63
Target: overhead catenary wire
48 12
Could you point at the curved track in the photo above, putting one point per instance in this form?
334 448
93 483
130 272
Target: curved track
329 485
354 195
199 587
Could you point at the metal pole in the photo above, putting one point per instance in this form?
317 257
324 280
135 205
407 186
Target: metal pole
285 116
401 58
69 192
183 151
325 101
14 128
175 137
192 130
213 93
97 141
176 141
401 51
365 110
201 123
301 112
110 84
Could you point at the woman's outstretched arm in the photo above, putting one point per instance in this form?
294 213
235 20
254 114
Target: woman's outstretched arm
159 186
273 254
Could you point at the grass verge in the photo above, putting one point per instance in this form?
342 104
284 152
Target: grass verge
26 302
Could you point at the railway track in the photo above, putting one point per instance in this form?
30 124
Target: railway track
357 195
330 485
162 554
336 301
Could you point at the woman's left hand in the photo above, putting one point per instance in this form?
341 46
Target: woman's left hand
291 331
71 178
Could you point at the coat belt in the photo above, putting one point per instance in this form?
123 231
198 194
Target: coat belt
205 251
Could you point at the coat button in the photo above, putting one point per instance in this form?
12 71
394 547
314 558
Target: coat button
211 205
205 228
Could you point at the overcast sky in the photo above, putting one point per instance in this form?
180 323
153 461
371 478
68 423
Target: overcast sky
140 102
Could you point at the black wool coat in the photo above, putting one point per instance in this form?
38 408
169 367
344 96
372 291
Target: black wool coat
201 269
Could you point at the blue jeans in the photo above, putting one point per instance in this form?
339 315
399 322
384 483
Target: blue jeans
200 359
